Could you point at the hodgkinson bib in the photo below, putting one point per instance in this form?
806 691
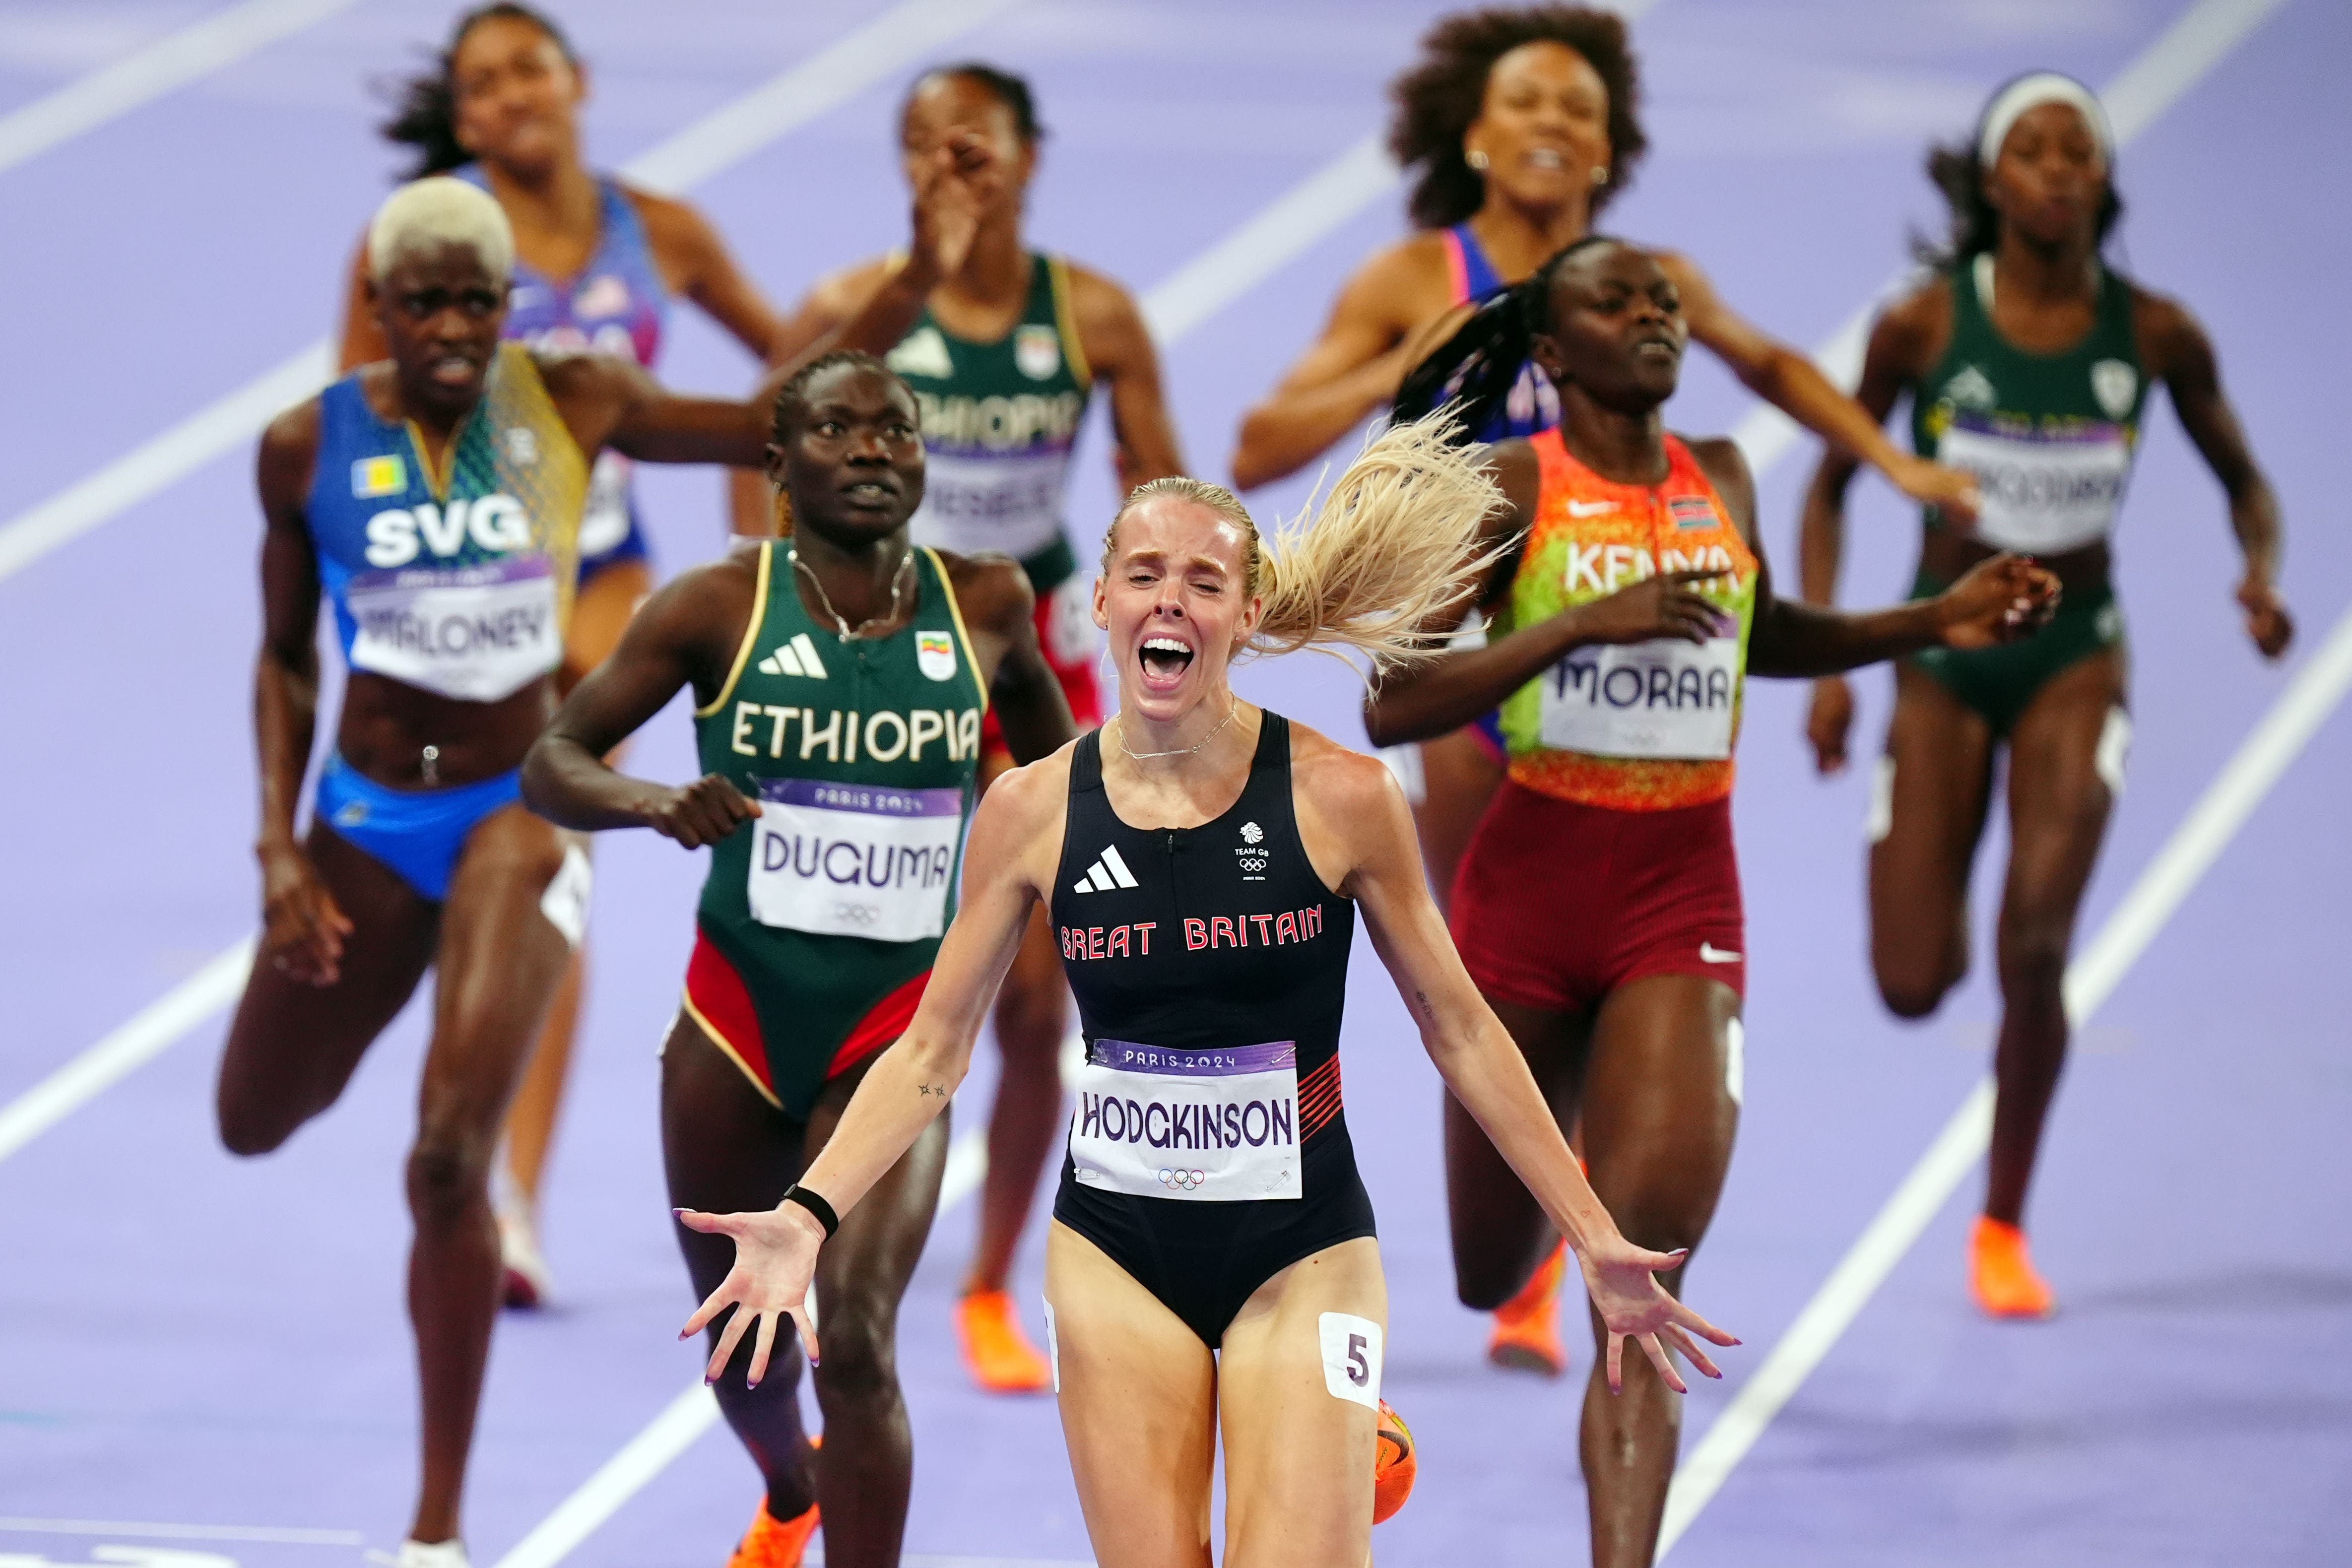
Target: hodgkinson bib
1202 1126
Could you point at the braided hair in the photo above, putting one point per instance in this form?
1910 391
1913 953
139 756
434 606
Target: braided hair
791 407
1471 373
424 107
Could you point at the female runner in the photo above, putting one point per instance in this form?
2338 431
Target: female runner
1211 1271
1522 123
819 922
596 264
1634 599
435 499
1004 346
2028 360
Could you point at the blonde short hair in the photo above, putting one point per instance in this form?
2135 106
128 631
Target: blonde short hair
440 210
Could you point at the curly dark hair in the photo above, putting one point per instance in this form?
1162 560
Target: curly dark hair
1439 98
1957 171
424 107
1007 89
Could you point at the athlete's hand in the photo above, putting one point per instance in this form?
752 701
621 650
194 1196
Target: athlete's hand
1828 722
1664 605
2000 600
953 184
1623 1281
2267 621
302 930
1951 492
703 812
775 1258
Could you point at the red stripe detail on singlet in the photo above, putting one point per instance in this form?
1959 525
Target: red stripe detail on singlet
723 1003
1457 268
883 1022
1319 1099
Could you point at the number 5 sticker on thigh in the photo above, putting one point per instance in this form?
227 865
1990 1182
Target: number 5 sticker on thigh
1351 1358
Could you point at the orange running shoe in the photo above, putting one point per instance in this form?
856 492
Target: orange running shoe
1527 1327
2002 1275
773 1543
1394 1464
1000 1355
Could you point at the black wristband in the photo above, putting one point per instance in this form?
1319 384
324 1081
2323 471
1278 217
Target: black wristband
814 1203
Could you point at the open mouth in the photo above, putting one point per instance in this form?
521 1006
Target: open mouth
454 370
1546 158
1165 660
869 492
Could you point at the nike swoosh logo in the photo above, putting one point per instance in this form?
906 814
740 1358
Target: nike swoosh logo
1590 508
1711 954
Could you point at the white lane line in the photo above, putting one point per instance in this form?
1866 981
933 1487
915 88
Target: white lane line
889 44
136 1042
2182 55
163 66
264 1534
2316 690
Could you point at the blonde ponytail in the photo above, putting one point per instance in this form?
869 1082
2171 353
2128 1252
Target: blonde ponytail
1394 544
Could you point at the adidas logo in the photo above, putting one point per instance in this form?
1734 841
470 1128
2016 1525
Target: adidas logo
797 657
1109 872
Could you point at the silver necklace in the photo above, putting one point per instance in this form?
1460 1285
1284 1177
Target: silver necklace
1181 751
848 634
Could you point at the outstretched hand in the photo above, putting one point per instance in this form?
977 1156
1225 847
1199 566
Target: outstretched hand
1623 1279
775 1257
2000 600
700 813
1951 492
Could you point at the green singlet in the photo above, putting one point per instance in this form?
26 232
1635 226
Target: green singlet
820 917
2050 439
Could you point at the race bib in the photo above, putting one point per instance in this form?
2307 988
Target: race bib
1012 503
1664 698
845 859
1207 1126
2042 494
475 634
605 520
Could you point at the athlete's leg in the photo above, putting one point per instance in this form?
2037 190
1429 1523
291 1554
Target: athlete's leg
1925 827
1459 776
1138 1397
1659 1118
1298 1459
293 1045
2058 804
1500 1233
499 962
600 614
1033 1014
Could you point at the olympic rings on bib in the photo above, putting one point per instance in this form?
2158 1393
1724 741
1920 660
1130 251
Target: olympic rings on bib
1182 1181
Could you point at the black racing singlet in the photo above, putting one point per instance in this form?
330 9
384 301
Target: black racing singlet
1208 1148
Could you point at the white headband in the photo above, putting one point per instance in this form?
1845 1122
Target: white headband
2032 92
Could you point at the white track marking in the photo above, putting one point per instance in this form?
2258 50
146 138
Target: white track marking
2152 83
163 66
889 43
264 1534
2179 59
616 1481
146 1035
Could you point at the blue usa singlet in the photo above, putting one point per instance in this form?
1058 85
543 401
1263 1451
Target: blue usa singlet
457 582
1533 405
616 306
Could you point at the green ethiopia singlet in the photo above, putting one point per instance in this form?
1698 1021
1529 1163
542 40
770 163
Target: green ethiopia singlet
999 421
821 916
2050 437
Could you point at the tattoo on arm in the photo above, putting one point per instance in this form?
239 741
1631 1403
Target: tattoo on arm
927 1089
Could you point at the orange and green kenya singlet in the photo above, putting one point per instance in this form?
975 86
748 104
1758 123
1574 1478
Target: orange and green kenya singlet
1646 726
821 916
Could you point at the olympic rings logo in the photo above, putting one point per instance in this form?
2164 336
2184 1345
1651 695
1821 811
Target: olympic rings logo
1182 1181
856 914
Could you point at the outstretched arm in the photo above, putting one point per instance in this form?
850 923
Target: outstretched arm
1351 370
1353 800
1790 382
2186 362
1016 829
